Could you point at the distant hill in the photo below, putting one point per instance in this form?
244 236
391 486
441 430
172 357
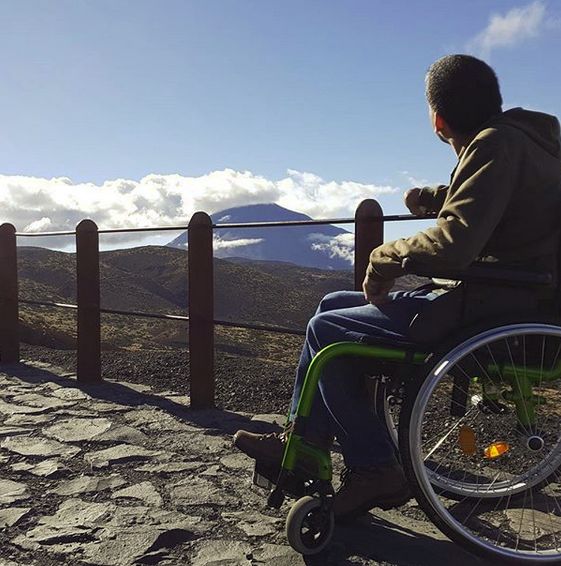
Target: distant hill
154 279
320 246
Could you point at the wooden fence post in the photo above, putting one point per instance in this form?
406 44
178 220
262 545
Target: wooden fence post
89 324
201 311
369 234
9 308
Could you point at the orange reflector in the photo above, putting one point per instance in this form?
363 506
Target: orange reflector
466 440
496 449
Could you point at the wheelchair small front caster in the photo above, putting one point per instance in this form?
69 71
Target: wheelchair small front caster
309 525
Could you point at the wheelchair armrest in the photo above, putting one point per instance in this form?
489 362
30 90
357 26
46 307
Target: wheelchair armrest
481 272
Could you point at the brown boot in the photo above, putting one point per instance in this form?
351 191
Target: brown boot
265 448
269 448
363 489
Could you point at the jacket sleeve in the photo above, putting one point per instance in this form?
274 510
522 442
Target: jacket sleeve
432 198
478 195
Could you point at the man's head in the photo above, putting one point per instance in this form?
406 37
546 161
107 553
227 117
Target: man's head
463 93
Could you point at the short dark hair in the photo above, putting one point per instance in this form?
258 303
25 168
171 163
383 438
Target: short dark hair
464 91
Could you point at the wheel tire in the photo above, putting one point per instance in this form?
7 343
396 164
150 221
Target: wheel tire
308 528
407 430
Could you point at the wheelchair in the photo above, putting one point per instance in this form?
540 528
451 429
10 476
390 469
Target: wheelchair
475 413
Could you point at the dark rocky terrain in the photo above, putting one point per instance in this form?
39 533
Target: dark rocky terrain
242 383
118 475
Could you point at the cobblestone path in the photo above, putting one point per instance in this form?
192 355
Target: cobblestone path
116 475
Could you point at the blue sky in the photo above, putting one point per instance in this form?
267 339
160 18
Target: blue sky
308 94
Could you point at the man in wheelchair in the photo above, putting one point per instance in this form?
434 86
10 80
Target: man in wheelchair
500 209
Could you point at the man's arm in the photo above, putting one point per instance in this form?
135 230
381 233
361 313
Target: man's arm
478 196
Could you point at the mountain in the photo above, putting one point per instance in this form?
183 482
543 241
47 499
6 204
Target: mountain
319 246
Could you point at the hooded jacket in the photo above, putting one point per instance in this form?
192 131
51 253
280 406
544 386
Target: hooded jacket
503 203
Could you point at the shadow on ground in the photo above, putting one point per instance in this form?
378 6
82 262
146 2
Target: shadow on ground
377 540
132 395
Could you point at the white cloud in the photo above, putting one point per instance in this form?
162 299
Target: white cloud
341 246
41 225
310 194
220 245
34 204
511 28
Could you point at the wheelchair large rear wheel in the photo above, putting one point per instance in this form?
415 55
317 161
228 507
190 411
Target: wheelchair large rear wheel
485 425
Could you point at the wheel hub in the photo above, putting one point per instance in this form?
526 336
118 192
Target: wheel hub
535 443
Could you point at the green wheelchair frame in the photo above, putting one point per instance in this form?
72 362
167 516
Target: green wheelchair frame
297 449
520 380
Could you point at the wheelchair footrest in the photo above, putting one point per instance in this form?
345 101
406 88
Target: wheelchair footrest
266 476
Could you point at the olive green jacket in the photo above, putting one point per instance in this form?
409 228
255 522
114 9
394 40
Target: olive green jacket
503 203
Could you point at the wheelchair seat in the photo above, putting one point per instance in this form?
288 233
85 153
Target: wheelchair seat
463 307
469 304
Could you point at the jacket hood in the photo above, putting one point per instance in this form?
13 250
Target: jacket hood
541 128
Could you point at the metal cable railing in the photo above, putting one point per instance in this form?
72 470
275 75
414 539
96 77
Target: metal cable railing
229 226
106 311
227 323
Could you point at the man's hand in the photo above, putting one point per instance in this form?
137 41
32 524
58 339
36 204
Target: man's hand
376 292
412 202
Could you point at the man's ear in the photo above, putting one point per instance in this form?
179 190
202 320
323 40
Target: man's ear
439 123
442 129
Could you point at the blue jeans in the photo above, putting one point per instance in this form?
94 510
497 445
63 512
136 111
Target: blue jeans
340 407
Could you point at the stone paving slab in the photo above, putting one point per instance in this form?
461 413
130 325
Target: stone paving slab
113 474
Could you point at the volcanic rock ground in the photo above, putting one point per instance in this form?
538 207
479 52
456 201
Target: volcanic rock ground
243 383
123 473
